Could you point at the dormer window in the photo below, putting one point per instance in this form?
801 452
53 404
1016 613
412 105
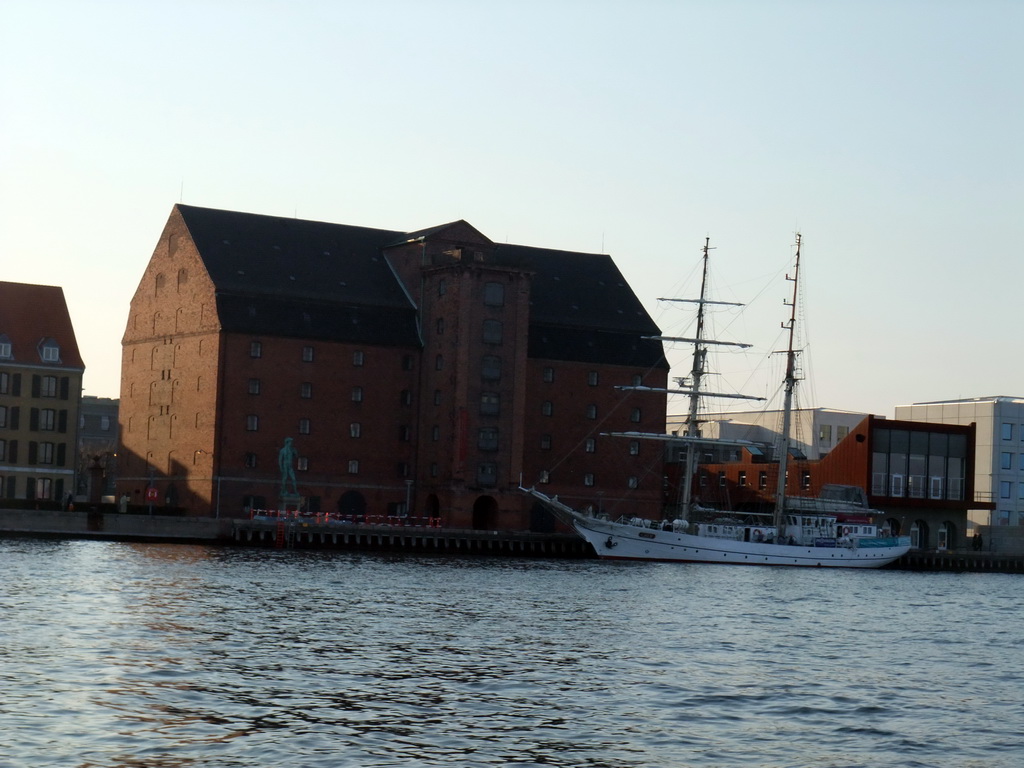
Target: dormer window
5 346
49 350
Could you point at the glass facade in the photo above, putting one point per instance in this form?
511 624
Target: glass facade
918 464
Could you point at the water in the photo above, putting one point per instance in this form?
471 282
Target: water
165 656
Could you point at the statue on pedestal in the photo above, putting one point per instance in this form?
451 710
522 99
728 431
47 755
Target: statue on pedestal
285 462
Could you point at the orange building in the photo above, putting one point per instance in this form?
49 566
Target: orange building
920 475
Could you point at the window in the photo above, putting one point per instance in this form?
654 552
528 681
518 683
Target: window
48 387
4 383
590 445
547 408
357 394
549 375
1005 489
634 447
591 411
252 422
3 416
5 347
439 326
358 358
635 416
742 478
490 369
437 397
634 481
825 433
255 349
439 363
250 460
588 480
407 362
104 423
805 479
494 294
1007 431
488 439
545 442
435 433
442 287
47 419
254 386
306 390
1006 460
487 473
307 354
841 432
304 426
545 476
592 379
404 433
43 486
762 480
637 380
490 404
44 454
353 467
721 478
355 429
405 398
51 353
492 332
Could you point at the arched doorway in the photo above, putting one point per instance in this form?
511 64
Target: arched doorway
485 514
947 537
433 510
919 535
352 505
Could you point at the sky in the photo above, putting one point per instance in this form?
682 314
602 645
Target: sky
889 134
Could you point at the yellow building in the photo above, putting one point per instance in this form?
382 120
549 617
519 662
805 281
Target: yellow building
40 393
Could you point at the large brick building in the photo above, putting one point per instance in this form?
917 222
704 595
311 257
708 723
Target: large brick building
40 392
418 373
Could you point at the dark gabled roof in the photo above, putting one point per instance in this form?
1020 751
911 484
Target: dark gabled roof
305 319
251 254
313 279
32 314
582 290
582 309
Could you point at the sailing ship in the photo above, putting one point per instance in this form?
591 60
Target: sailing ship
836 529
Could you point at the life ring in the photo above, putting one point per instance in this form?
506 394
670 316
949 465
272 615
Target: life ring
758 535
846 531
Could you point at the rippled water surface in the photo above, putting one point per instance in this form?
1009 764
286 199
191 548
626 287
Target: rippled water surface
178 656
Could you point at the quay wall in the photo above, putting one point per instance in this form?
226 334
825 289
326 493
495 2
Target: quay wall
292 534
107 525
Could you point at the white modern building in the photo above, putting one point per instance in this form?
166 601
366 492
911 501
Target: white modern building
815 431
999 457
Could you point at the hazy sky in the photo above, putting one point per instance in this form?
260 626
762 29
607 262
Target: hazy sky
891 134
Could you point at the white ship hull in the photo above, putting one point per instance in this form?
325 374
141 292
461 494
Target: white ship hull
618 541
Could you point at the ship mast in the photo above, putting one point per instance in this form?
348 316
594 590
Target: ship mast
787 408
700 353
695 392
